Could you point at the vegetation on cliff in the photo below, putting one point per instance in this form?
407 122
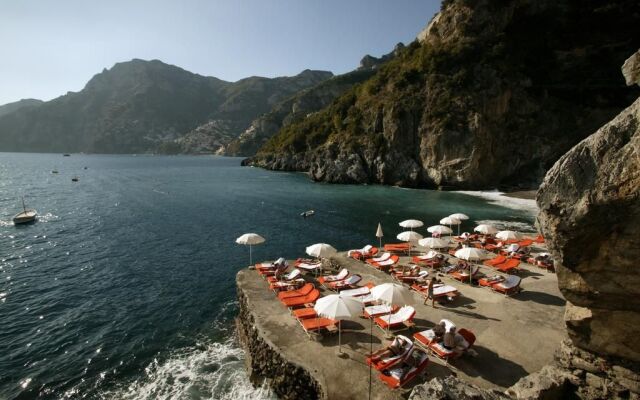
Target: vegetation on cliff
493 94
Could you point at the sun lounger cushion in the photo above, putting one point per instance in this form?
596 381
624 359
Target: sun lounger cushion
374 311
383 257
510 282
314 324
301 300
332 278
361 291
404 314
444 290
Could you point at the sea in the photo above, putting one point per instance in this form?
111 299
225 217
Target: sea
125 286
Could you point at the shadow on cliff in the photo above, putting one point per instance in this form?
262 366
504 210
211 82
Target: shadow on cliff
541 298
490 366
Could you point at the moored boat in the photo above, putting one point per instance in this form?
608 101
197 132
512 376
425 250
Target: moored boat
25 216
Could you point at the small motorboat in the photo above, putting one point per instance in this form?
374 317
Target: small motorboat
308 213
26 216
75 179
66 155
54 171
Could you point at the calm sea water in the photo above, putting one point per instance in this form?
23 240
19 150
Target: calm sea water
124 288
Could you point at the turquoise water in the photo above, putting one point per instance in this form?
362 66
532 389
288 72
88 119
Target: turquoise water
124 288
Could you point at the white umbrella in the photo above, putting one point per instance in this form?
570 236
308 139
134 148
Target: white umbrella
409 236
508 235
451 221
411 223
434 243
321 250
485 229
379 234
473 254
431 254
460 216
336 306
391 294
441 229
250 239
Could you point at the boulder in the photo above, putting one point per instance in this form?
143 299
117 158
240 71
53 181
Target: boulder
452 388
550 383
631 69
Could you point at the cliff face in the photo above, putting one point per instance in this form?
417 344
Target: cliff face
492 94
299 106
16 105
590 212
140 106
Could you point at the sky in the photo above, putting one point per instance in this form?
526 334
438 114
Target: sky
52 47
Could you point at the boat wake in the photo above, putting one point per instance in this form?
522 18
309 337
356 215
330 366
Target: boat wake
509 225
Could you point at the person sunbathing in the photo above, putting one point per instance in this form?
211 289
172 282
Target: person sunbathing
439 330
454 341
395 348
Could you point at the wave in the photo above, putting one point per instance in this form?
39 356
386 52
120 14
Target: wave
499 198
509 225
213 370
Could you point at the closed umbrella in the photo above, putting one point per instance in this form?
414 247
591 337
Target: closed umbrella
409 236
434 243
379 234
338 307
250 239
508 235
486 229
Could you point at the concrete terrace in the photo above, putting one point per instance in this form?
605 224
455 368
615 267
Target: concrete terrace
515 335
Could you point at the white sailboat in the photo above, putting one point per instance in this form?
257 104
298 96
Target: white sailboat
25 216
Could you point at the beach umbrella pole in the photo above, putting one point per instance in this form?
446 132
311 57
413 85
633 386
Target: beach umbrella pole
250 256
340 338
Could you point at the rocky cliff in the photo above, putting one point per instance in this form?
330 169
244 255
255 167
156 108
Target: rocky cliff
302 104
142 106
492 94
590 212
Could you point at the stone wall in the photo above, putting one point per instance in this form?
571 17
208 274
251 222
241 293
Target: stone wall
264 361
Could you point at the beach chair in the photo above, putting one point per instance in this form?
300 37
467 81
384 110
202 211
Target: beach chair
383 257
303 291
349 283
463 276
378 310
409 279
488 281
365 252
440 291
403 373
279 286
401 318
301 301
357 292
525 243
539 239
294 274
397 247
510 286
509 265
428 340
342 275
383 265
304 313
316 325
380 364
495 261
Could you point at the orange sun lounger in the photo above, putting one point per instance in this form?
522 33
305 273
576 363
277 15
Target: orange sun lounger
318 324
303 291
397 247
495 261
429 341
404 316
380 364
511 285
300 301
340 276
383 264
509 265
304 313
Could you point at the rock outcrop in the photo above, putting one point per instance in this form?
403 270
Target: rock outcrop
452 388
590 213
492 94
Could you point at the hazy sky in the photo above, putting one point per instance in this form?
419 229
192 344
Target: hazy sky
51 47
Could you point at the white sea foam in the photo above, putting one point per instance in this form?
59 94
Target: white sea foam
509 225
499 198
206 371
